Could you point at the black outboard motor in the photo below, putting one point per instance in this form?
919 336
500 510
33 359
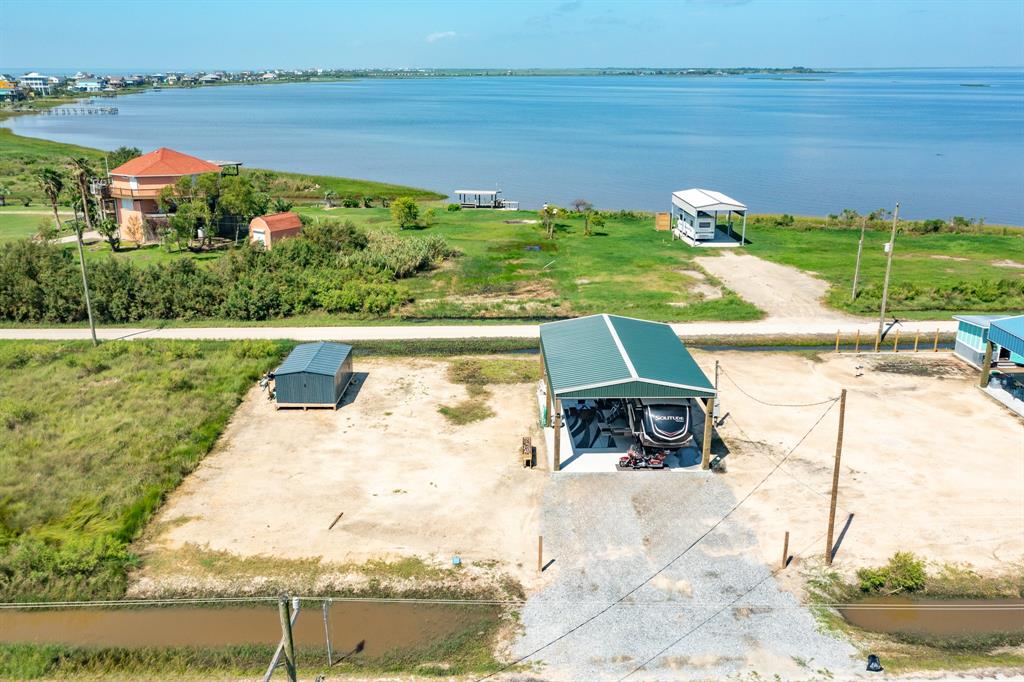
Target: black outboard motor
661 425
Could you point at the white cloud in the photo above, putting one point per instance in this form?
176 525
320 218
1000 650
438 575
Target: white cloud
441 35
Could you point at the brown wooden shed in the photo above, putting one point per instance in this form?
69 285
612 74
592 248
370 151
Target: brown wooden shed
269 229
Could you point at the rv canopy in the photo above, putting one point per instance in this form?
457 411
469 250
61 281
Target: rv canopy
608 356
709 201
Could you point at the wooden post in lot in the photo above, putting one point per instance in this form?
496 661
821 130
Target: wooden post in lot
935 349
835 479
287 641
856 343
986 365
896 342
705 460
540 553
558 435
785 550
547 404
878 340
837 340
917 339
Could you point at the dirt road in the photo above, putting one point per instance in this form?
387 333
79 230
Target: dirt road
772 326
779 290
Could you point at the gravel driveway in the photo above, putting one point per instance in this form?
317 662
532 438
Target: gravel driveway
607 533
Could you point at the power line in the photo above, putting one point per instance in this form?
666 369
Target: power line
675 559
758 400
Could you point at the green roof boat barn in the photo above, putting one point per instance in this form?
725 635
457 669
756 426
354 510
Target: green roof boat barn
617 386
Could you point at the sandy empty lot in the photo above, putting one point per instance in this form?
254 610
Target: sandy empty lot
930 464
779 290
409 483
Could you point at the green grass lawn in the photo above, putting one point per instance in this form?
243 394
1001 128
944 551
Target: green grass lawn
92 440
509 270
933 275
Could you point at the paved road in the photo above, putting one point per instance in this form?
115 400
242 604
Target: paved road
775 326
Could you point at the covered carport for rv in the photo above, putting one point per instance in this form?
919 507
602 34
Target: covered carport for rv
612 357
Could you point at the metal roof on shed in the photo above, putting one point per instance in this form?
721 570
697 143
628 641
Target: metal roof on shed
982 321
1008 333
619 357
322 357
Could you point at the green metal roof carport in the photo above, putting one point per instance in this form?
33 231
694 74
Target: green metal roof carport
608 356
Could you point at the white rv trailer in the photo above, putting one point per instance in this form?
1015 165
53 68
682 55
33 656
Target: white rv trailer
695 213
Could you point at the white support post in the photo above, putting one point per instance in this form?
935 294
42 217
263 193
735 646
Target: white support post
743 239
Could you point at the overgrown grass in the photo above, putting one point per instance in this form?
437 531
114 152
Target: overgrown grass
92 441
933 275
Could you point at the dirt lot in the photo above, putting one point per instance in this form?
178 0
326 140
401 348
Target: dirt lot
930 464
779 290
409 484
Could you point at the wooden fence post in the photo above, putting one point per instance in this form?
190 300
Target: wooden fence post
878 341
856 343
936 348
917 339
709 406
896 342
837 340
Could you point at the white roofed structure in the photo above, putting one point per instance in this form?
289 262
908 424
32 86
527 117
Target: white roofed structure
695 211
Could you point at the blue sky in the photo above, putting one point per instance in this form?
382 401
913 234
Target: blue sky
185 34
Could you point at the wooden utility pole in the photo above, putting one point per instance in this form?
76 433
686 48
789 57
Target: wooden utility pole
860 248
705 459
835 478
888 269
986 365
284 610
85 281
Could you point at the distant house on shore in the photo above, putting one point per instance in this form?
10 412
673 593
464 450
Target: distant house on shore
269 229
135 187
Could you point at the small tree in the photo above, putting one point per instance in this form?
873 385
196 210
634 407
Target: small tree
405 211
329 198
594 219
4 191
111 232
52 184
547 219
582 205
122 155
282 205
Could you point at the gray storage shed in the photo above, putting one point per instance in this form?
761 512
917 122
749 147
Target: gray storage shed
314 375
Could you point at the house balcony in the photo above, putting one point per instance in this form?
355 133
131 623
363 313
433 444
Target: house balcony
120 192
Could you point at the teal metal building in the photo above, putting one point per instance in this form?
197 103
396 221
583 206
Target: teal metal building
314 375
973 333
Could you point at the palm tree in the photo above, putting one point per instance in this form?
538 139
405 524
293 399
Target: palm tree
80 171
52 184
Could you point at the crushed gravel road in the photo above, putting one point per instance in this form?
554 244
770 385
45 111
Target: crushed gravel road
608 533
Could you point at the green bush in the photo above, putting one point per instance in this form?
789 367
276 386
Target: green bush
452 208
333 266
905 572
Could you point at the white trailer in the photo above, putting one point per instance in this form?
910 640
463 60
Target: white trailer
695 214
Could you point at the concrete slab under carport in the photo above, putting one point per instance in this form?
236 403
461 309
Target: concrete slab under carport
604 460
722 240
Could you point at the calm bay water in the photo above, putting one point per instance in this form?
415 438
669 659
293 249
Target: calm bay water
942 142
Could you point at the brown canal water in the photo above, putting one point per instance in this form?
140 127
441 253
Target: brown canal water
941 617
380 626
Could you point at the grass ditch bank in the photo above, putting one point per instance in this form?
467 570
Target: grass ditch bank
904 650
477 375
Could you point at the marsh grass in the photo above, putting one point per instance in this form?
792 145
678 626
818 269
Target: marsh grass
92 441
